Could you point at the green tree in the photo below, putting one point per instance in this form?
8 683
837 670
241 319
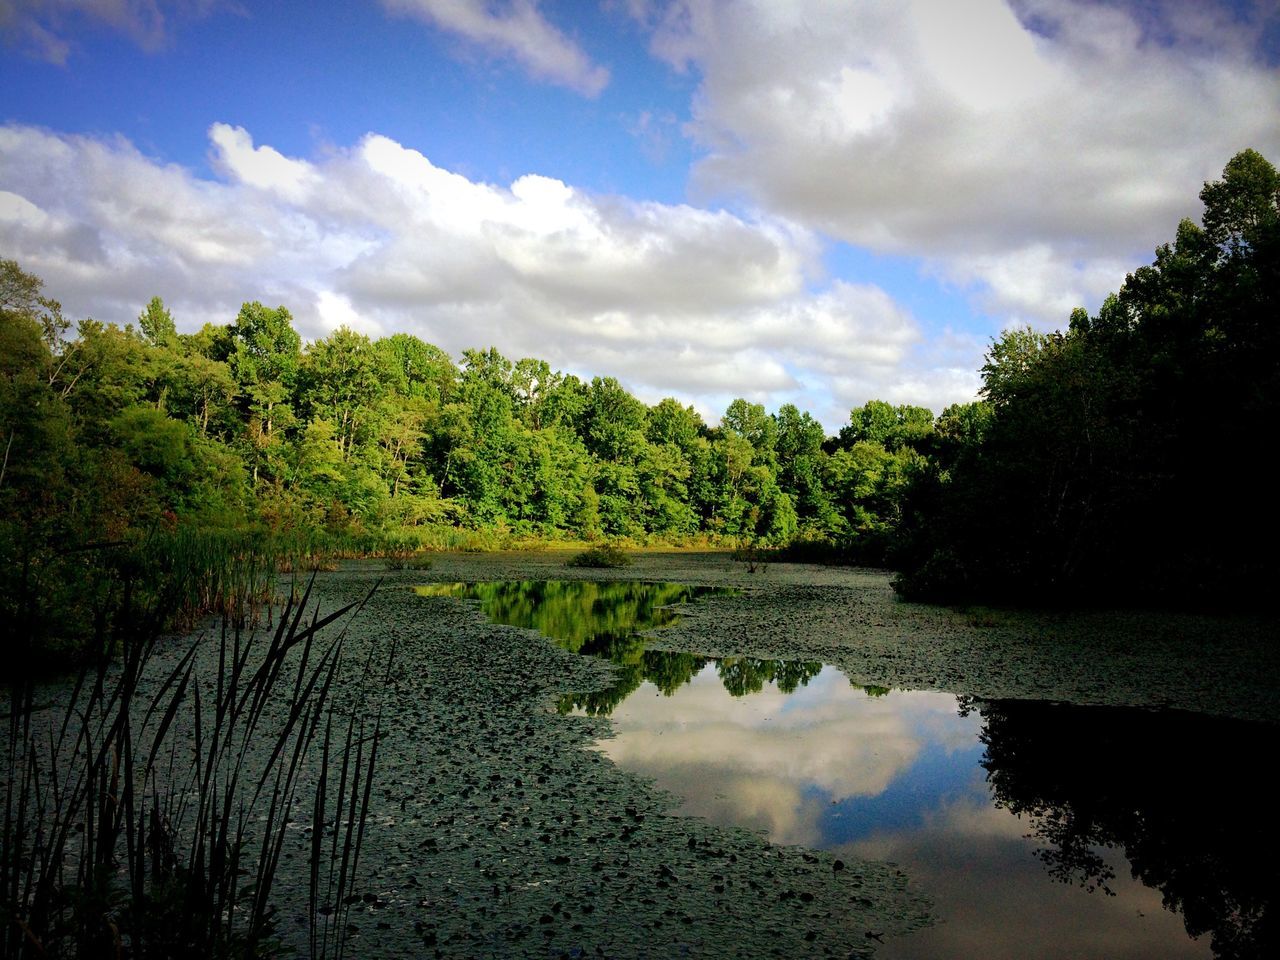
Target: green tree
801 466
532 381
343 380
156 324
418 369
753 424
671 422
613 422
1242 210
891 427
200 391
266 353
1088 439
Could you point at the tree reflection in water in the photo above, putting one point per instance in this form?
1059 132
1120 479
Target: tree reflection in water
605 619
1182 795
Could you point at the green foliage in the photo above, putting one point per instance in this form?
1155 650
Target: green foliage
887 426
418 369
365 442
156 324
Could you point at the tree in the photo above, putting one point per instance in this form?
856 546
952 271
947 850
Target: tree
418 369
892 427
343 378
156 324
753 424
265 355
671 422
1242 210
20 296
200 391
532 381
1096 443
613 422
265 346
801 461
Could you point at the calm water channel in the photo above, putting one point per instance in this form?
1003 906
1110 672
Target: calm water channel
1039 829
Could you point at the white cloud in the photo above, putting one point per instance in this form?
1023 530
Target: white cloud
1036 282
41 27
1032 166
515 28
669 298
770 760
335 310
235 155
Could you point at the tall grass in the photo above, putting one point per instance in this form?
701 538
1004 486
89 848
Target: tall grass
146 815
196 572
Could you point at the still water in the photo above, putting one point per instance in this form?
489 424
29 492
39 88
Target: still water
1040 830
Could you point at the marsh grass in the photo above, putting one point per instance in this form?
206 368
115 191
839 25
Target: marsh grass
193 573
146 813
754 556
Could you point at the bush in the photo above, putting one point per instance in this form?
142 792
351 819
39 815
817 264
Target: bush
406 559
608 556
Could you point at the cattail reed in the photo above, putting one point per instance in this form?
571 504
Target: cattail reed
146 807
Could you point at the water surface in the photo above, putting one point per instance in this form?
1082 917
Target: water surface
1040 829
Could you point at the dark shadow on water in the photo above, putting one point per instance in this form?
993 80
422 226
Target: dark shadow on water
605 619
1184 796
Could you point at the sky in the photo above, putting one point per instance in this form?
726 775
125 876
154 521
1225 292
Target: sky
818 202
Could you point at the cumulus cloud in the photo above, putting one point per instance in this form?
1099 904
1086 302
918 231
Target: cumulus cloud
774 761
42 27
1027 150
670 298
516 29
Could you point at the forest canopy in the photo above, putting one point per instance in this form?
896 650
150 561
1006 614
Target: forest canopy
244 423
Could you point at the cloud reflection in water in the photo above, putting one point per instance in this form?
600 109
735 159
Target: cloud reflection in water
893 777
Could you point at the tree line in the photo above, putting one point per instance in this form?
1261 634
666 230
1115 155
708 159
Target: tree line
243 422
1118 457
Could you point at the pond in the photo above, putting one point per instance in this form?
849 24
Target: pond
1039 829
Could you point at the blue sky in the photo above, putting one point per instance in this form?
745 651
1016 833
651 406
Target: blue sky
808 201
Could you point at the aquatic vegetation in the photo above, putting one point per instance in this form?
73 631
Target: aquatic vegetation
501 833
849 616
402 559
148 805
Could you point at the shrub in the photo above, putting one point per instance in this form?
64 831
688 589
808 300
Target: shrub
406 559
608 556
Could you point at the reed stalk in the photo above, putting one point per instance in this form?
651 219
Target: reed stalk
146 814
